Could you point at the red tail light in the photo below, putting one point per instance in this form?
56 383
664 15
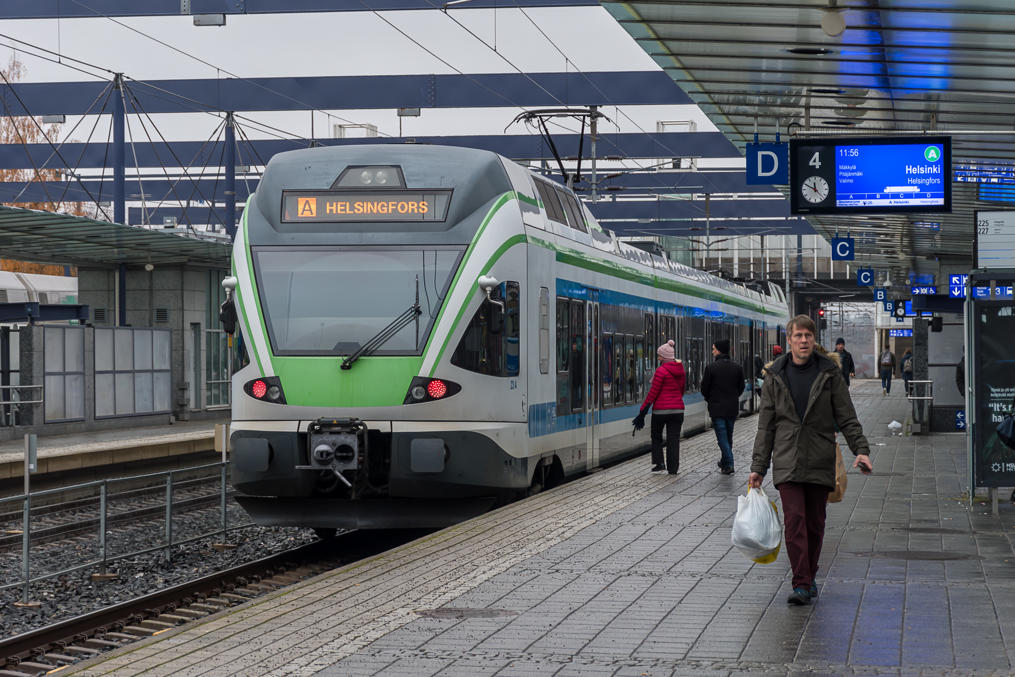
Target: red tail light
436 389
258 389
428 389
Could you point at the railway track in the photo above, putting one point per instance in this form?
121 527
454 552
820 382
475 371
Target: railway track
86 636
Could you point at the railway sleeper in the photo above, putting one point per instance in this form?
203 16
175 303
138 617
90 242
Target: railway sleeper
61 659
33 668
209 608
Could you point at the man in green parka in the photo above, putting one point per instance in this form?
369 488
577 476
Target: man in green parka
803 401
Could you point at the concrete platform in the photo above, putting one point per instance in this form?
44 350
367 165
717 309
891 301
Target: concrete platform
58 453
625 572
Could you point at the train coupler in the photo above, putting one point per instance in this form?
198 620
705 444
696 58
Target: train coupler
336 445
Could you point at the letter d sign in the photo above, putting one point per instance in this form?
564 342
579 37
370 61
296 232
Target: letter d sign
767 163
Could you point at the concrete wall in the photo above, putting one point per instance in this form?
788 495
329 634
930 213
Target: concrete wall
182 293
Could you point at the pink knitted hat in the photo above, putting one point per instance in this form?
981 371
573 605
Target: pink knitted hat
667 351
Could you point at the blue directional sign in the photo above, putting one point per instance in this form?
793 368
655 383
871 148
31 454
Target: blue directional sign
959 280
900 319
900 333
981 292
843 249
956 286
880 294
920 279
1002 292
924 290
767 163
865 277
960 419
889 306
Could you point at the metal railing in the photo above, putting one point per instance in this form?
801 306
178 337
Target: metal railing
920 403
10 406
103 558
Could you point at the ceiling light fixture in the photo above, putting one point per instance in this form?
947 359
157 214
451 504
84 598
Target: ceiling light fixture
832 21
810 51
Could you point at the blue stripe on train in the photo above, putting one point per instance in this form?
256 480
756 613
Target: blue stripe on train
543 418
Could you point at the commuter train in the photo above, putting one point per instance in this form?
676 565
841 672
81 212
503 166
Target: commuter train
432 330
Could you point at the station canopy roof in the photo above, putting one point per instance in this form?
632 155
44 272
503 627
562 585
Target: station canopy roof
46 237
898 67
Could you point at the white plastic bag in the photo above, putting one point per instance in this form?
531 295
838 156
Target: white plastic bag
757 531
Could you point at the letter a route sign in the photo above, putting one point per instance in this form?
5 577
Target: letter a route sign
842 249
865 277
767 163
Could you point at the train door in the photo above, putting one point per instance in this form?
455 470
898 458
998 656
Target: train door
592 399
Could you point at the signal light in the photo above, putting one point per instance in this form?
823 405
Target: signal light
436 389
259 389
821 312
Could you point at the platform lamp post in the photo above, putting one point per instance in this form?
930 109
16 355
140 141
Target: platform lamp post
119 182
230 189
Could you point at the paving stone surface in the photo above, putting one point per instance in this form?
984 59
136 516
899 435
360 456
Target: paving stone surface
625 572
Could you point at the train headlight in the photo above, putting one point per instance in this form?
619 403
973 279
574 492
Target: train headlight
427 389
366 177
266 389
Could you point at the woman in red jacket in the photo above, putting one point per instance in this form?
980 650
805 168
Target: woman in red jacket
667 396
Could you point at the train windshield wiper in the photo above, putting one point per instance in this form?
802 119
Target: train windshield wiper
409 315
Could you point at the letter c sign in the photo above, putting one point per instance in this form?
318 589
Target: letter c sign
842 249
865 277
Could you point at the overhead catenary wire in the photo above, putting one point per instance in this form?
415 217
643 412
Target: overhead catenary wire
211 65
48 140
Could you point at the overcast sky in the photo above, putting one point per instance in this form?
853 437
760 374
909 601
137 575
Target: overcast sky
348 43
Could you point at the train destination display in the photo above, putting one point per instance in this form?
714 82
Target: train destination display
364 205
870 174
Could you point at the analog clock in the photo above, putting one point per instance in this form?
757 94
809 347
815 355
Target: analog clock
814 189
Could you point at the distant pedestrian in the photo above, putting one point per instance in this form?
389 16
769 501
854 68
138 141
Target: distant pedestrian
666 398
845 360
804 399
721 386
886 367
906 368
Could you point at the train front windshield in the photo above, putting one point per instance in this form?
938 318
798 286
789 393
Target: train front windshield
332 300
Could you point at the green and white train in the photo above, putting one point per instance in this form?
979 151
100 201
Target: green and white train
430 330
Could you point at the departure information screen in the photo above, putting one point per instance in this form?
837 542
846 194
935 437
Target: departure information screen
401 205
871 174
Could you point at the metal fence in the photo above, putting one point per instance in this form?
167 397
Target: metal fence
99 490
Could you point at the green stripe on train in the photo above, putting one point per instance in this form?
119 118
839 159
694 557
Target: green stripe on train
379 381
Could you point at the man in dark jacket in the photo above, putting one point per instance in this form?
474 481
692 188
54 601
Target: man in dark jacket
802 402
721 386
845 360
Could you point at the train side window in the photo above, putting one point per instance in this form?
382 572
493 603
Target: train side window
632 368
491 342
563 356
618 369
642 371
574 213
550 202
606 369
577 355
544 330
